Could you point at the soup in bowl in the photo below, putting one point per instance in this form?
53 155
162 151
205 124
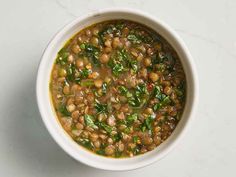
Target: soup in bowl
116 89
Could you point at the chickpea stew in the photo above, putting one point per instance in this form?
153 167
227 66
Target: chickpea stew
118 88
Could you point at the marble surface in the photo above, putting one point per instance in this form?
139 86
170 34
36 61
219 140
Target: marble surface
207 26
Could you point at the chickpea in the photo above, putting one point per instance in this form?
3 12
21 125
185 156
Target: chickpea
102 136
70 107
121 116
153 76
147 140
111 121
61 79
97 144
104 58
81 119
90 98
62 72
85 134
88 66
76 49
116 42
147 61
143 73
121 146
122 127
150 52
151 147
108 43
125 31
79 63
98 83
66 122
167 90
102 117
75 114
95 31
140 57
76 132
157 140
143 150
75 88
88 33
109 150
149 111
79 126
93 75
108 49
110 141
70 59
93 137
107 80
94 41
66 90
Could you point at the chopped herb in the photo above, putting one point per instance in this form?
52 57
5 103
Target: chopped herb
87 82
89 121
91 52
123 90
62 109
62 56
106 127
104 88
135 139
147 124
70 72
131 118
117 69
86 143
117 137
134 39
100 108
141 89
101 152
164 102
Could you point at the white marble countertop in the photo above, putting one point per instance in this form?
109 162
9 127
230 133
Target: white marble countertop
207 26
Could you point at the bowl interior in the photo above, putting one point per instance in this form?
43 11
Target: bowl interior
47 110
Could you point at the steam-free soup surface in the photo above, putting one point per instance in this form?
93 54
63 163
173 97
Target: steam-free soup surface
118 88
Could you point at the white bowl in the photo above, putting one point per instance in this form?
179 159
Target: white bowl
47 111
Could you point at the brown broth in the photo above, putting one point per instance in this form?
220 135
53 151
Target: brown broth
118 88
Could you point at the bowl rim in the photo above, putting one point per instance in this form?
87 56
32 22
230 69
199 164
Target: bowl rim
194 85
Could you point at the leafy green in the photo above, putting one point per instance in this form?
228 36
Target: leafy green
121 61
101 152
62 109
100 108
89 121
147 124
70 72
141 89
87 82
135 139
134 101
117 137
86 143
117 69
91 51
164 102
157 93
104 88
110 29
62 56
123 90
134 39
131 118
106 127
